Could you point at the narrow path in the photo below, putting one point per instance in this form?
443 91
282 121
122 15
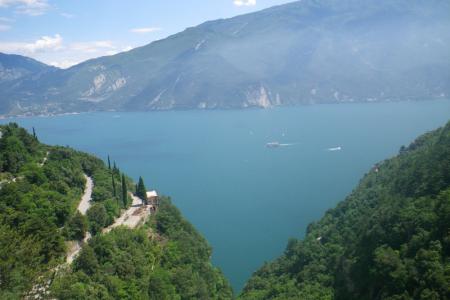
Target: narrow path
132 217
83 207
44 160
85 202
40 290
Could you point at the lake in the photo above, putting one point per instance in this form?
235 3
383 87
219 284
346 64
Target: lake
245 198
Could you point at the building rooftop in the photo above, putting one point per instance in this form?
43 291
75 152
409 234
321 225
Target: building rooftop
151 194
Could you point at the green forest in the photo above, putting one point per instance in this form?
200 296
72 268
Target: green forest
40 188
165 259
390 239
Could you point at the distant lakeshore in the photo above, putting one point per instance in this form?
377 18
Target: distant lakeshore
59 114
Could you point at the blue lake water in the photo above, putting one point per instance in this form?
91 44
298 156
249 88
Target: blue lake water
245 198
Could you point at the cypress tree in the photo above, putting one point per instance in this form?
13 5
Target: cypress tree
109 163
141 190
34 133
124 191
113 185
116 169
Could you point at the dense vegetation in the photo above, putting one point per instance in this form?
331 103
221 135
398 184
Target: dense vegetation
390 239
35 202
167 259
40 188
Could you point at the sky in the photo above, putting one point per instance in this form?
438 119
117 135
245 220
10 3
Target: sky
64 33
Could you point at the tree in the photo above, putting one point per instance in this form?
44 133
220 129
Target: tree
87 261
97 217
76 227
113 185
34 134
141 191
109 163
124 191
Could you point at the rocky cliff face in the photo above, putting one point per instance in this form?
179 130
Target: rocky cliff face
306 52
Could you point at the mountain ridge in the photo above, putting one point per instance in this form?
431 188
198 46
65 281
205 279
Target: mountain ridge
302 52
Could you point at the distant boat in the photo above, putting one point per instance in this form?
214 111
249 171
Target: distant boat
335 149
273 145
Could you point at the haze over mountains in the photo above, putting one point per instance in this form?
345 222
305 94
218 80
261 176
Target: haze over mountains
305 52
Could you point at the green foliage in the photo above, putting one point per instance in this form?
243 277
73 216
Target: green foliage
129 264
113 186
141 190
98 217
390 239
17 148
38 205
124 191
76 227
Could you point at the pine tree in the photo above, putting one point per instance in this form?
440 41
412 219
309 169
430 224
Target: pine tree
141 190
124 191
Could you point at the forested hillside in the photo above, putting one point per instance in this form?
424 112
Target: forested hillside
390 239
40 188
167 259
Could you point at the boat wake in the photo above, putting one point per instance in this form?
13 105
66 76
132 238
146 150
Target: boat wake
277 144
335 149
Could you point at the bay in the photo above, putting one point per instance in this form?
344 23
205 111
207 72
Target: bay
245 198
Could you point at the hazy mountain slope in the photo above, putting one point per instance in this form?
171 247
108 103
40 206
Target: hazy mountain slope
388 240
14 67
312 51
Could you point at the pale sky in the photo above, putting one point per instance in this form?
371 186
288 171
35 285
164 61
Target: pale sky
63 33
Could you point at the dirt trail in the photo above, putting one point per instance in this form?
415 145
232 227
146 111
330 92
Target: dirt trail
85 202
83 207
44 160
40 290
133 216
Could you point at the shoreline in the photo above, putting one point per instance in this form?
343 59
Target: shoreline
49 115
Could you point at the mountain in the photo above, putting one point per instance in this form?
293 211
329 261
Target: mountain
305 52
40 225
390 239
12 69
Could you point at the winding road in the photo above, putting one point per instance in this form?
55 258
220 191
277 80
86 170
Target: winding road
131 218
83 207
